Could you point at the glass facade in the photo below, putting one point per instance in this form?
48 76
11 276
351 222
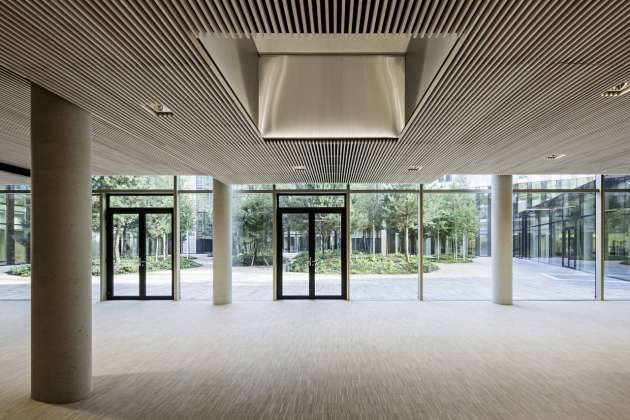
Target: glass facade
555 228
456 246
195 260
617 240
384 241
554 239
252 238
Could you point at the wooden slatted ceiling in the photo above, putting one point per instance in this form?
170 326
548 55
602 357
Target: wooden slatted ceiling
524 82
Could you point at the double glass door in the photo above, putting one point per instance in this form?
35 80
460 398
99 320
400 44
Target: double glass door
140 253
312 259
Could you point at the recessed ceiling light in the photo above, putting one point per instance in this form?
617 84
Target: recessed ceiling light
617 90
159 110
555 156
299 168
414 168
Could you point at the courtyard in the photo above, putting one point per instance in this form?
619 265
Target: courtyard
470 281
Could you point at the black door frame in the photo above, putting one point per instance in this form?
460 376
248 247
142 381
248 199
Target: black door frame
310 212
142 274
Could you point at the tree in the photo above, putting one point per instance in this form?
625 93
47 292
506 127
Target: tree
449 215
401 211
253 218
367 215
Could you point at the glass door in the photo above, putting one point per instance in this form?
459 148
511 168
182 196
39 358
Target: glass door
125 271
140 253
569 254
328 260
158 260
312 256
296 256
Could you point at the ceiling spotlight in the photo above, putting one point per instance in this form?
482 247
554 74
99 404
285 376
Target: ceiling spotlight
554 156
299 168
414 168
160 110
618 90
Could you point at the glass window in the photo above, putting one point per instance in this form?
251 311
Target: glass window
321 186
15 237
534 182
457 263
384 186
132 182
617 213
137 201
252 230
463 182
250 187
195 224
554 245
194 182
384 239
311 200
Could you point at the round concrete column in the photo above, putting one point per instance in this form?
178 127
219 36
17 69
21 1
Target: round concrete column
502 239
61 302
221 243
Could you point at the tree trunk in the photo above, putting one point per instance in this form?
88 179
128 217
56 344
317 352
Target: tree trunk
117 239
164 246
407 243
439 245
373 239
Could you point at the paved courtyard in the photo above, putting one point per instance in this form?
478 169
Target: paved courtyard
472 281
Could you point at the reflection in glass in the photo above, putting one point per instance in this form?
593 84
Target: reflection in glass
554 245
617 268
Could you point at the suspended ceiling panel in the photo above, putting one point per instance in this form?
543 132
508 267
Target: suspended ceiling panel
331 96
524 80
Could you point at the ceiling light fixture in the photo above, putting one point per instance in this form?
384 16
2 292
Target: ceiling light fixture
299 168
617 90
414 168
159 110
554 156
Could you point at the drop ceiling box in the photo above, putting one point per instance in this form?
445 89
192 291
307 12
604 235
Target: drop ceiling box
328 86
331 96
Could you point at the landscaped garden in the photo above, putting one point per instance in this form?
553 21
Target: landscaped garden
360 263
125 266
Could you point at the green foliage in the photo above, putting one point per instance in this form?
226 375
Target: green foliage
23 270
127 265
252 228
249 260
330 262
450 259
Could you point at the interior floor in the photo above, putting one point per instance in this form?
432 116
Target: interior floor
325 359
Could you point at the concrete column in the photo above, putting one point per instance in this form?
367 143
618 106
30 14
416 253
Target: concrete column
61 304
221 243
502 239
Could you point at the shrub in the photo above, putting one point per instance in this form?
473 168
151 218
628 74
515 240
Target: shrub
23 270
